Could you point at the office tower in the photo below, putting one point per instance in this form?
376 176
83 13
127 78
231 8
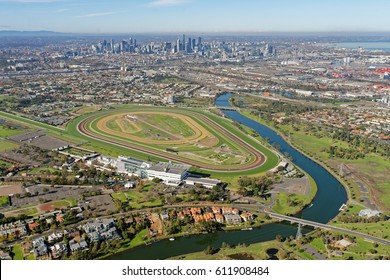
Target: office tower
178 45
168 46
193 44
112 45
188 46
184 42
199 42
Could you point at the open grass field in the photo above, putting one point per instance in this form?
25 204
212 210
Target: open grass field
4 201
136 199
287 204
6 131
29 211
371 170
17 251
193 137
379 229
42 170
59 204
6 146
87 109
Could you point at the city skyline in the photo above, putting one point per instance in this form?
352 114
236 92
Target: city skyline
169 16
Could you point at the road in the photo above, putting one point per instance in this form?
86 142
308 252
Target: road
326 227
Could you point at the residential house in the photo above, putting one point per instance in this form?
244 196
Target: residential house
198 218
219 218
78 246
208 217
5 255
232 219
58 250
247 216
195 211
164 216
17 228
54 237
40 247
227 210
216 210
101 230
33 226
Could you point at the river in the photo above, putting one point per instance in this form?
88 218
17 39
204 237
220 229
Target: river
330 196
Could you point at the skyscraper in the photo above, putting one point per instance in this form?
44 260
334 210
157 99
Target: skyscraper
193 44
199 42
112 45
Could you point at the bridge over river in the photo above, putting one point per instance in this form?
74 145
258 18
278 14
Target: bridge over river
325 227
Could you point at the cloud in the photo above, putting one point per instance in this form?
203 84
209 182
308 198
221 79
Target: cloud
97 15
167 3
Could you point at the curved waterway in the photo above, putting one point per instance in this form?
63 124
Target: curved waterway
330 196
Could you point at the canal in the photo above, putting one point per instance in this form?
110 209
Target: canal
330 196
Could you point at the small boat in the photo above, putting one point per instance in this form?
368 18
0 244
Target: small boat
247 228
172 239
311 205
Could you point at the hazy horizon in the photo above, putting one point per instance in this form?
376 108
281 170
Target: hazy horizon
195 16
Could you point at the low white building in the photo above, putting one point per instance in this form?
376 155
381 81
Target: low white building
132 166
170 173
205 182
368 213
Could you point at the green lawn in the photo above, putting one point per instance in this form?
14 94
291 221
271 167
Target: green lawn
41 170
136 199
284 203
69 202
7 145
138 239
6 132
31 257
120 196
17 250
364 250
4 201
379 229
353 209
318 244
28 210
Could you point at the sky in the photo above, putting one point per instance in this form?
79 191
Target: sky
212 16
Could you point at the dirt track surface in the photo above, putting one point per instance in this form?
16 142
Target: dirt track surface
259 157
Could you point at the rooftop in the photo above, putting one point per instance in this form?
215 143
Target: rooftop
172 168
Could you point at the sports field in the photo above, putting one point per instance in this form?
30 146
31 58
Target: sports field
186 136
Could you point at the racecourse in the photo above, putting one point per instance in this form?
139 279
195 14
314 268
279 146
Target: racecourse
203 125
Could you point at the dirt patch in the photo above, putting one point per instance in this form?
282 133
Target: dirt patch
46 207
9 190
293 185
